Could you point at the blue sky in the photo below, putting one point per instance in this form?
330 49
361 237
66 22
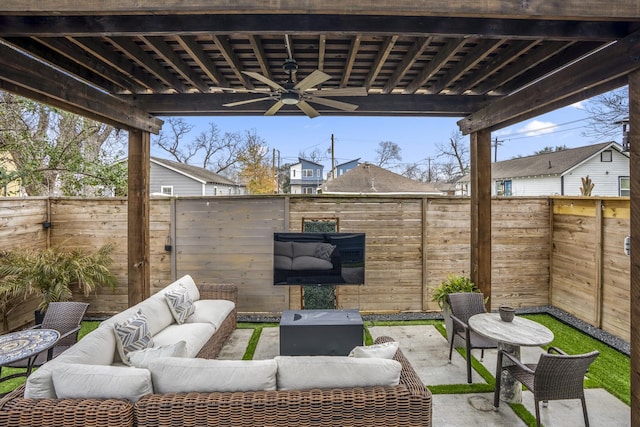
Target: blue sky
358 137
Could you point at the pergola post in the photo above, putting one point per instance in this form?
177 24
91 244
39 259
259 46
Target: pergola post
139 272
481 211
634 161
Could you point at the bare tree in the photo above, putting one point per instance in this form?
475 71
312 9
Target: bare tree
315 156
171 140
604 113
211 149
456 151
386 152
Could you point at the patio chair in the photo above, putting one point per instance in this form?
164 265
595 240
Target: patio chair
555 377
64 317
463 305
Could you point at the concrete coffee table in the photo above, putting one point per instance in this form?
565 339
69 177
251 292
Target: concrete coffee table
320 332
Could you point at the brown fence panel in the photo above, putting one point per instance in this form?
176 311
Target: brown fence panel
230 240
520 252
569 256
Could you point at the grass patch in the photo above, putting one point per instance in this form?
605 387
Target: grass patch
611 369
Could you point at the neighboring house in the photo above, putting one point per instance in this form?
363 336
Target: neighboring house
343 168
560 173
305 177
371 179
179 179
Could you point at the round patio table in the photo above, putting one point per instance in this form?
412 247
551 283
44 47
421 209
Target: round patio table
510 336
25 344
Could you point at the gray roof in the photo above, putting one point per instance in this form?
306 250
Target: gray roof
196 172
368 178
546 164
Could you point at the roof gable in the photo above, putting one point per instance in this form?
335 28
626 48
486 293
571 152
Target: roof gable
368 178
547 164
194 172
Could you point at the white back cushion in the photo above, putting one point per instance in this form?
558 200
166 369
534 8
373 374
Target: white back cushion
180 375
306 372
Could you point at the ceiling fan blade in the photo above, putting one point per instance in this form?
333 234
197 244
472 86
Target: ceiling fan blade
264 80
333 103
345 91
246 101
274 109
243 90
307 109
313 79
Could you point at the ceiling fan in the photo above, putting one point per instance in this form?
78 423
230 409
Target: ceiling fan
299 94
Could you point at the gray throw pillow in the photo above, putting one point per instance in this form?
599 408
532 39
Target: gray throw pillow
324 251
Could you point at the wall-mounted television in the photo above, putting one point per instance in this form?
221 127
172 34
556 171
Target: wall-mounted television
318 258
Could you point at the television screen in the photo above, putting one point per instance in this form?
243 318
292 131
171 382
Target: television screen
318 258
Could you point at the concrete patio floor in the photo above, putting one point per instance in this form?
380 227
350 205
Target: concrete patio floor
428 352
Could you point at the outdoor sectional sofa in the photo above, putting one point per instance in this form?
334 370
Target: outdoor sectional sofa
406 404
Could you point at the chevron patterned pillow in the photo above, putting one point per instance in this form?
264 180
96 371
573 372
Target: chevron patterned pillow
131 335
180 304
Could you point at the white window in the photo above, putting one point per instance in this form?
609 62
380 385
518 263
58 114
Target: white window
606 156
308 190
624 186
318 173
307 173
167 190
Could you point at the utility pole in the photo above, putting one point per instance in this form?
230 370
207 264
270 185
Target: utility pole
496 143
428 159
333 158
276 169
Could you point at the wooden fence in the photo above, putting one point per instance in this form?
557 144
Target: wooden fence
545 251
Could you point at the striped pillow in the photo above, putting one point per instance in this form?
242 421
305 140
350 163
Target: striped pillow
131 335
180 304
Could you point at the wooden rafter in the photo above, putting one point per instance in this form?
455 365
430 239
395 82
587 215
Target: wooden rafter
128 68
383 54
144 60
414 52
191 46
469 61
351 59
162 49
258 51
443 55
227 51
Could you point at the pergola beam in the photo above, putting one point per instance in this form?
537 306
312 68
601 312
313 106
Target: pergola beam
397 105
348 24
608 64
23 75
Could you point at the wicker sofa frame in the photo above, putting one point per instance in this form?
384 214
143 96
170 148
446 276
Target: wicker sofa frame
408 404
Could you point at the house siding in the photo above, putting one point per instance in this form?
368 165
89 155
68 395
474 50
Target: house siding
534 186
604 175
182 185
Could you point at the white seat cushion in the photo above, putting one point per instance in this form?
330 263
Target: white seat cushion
79 381
307 372
212 311
178 375
194 334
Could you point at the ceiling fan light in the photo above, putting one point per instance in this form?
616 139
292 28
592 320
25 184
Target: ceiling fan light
289 98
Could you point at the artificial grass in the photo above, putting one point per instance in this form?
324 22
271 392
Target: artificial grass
611 369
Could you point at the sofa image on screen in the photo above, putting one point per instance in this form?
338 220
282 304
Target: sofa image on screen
306 263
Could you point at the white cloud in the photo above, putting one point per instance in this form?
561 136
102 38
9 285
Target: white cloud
578 105
537 127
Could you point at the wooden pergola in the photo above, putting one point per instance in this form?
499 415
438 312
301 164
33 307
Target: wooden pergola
492 63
